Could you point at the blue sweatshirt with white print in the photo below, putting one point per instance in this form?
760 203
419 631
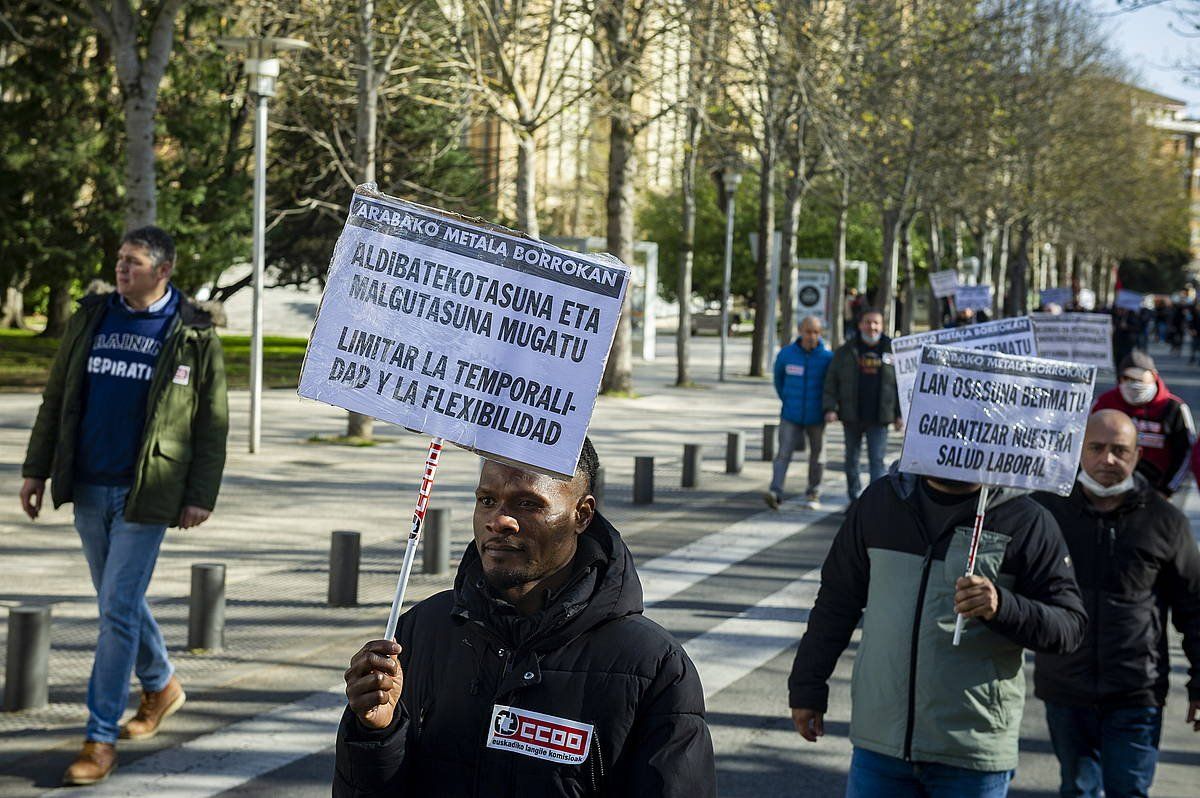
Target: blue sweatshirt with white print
116 386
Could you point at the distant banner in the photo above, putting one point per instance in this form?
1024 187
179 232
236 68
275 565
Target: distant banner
1076 337
998 420
1055 296
1129 300
464 331
1011 336
943 283
974 297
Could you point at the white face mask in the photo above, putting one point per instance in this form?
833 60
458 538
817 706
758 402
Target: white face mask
1138 393
869 340
1102 491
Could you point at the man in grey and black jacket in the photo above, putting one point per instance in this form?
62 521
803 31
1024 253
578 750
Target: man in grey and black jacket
1136 560
924 711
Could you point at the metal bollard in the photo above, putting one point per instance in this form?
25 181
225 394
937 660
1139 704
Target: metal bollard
206 608
643 480
27 665
598 490
691 465
770 436
435 558
345 552
735 452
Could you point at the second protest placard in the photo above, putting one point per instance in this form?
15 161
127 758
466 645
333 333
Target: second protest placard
997 420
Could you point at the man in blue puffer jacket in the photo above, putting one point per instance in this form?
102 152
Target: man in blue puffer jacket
800 369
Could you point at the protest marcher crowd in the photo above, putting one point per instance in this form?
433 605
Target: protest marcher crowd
538 672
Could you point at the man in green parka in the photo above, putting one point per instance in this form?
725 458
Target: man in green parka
132 430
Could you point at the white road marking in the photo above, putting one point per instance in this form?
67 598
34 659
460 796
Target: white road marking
744 643
214 763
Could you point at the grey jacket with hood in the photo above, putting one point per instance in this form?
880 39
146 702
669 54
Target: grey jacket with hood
915 696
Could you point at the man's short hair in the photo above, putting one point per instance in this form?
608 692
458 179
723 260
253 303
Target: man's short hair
158 243
869 311
589 463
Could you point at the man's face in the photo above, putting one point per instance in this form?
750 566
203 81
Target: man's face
526 524
810 334
136 274
1138 375
871 325
1110 450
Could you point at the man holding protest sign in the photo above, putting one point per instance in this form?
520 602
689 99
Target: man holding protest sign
537 674
860 390
1135 558
1164 423
800 370
978 421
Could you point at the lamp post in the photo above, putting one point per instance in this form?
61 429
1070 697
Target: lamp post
730 178
262 70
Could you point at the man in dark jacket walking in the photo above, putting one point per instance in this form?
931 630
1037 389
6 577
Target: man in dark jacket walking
132 429
1136 559
928 715
800 369
860 390
536 675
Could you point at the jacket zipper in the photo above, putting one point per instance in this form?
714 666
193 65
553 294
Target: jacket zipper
1094 610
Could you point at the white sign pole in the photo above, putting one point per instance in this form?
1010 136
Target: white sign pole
975 535
410 546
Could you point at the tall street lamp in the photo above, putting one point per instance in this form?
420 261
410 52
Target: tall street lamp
730 178
262 71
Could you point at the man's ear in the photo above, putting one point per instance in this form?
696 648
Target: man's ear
165 268
585 511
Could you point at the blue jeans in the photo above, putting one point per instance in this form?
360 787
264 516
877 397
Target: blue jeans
877 435
1116 749
792 437
874 775
121 558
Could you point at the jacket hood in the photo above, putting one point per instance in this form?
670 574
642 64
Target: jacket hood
616 592
905 485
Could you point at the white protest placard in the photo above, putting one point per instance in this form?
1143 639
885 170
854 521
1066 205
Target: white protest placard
1129 300
464 331
943 283
1075 337
812 295
1060 296
998 420
975 297
1011 336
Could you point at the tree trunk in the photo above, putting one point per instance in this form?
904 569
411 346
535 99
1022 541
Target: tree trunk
763 295
838 284
141 199
908 269
1066 267
1001 282
365 145
886 293
59 308
1018 294
787 250
934 316
527 219
687 246
618 371
12 304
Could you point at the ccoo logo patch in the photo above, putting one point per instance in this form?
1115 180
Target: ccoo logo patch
541 736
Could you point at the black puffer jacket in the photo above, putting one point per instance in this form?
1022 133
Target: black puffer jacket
1133 565
589 658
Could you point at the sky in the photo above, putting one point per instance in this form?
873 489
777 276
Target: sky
1152 45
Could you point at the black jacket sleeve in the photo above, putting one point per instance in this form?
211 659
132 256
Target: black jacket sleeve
370 764
837 610
1181 586
831 390
1044 610
669 750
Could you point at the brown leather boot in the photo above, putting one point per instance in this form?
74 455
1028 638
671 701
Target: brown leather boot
93 764
154 709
